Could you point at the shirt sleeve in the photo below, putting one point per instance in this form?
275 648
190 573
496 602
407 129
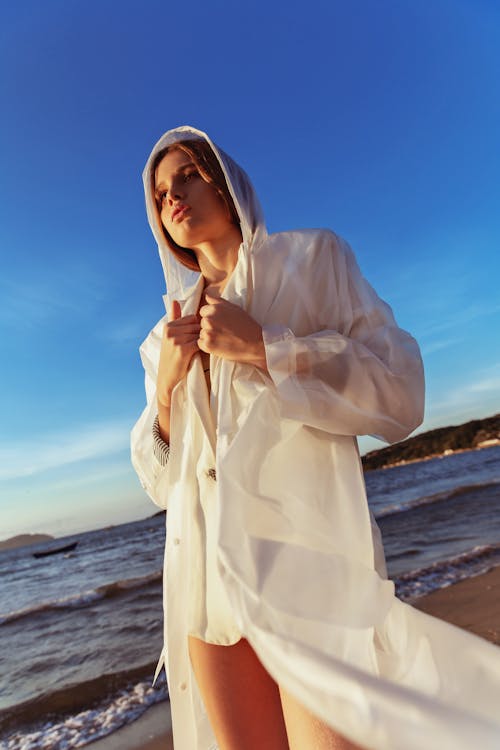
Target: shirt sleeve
161 449
359 375
152 472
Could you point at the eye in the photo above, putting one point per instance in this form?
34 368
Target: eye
161 196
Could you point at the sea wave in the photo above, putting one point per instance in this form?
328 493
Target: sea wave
71 699
83 598
444 573
79 729
437 497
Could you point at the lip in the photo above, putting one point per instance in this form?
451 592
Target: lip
179 211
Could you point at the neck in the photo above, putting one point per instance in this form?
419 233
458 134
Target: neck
217 259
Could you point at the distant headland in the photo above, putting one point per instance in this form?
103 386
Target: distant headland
443 441
21 540
479 433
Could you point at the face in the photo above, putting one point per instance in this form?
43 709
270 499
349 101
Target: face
191 209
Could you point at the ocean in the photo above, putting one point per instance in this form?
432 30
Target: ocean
81 632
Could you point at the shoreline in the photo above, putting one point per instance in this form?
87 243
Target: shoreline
472 604
151 731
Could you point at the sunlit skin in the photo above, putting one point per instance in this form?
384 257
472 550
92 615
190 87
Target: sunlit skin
197 218
205 225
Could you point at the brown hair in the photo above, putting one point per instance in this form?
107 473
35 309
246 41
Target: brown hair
210 169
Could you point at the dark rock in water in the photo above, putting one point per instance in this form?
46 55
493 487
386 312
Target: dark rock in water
56 550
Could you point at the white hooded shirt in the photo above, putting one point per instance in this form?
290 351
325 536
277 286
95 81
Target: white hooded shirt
298 551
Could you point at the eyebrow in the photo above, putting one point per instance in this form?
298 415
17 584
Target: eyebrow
181 168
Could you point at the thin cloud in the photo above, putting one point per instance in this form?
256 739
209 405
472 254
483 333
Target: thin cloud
481 395
55 450
127 333
96 475
486 385
436 346
457 318
29 302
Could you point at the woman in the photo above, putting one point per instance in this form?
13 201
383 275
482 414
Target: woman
281 628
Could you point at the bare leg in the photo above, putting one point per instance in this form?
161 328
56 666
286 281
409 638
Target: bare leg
307 731
246 707
242 700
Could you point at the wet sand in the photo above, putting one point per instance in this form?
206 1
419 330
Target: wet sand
473 604
151 732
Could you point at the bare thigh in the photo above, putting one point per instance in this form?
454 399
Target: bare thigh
242 700
308 731
246 707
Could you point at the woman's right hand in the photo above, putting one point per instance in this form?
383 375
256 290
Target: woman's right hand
179 345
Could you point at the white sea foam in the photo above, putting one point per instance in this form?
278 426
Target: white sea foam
444 573
85 727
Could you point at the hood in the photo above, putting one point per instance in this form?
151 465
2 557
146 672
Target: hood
178 278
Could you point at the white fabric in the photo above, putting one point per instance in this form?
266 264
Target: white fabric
210 616
298 550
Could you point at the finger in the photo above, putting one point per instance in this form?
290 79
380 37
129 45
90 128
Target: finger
188 318
185 342
172 336
176 312
212 291
180 322
207 310
173 330
213 299
204 345
209 337
183 339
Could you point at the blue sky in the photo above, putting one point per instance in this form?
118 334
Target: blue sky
379 120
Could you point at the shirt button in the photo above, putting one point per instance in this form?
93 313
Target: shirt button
212 474
177 541
183 686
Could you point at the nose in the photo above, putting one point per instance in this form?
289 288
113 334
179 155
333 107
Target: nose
175 193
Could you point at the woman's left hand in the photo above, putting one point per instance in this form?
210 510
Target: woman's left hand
229 332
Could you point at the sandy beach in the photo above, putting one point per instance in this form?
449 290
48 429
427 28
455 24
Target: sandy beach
151 732
472 604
